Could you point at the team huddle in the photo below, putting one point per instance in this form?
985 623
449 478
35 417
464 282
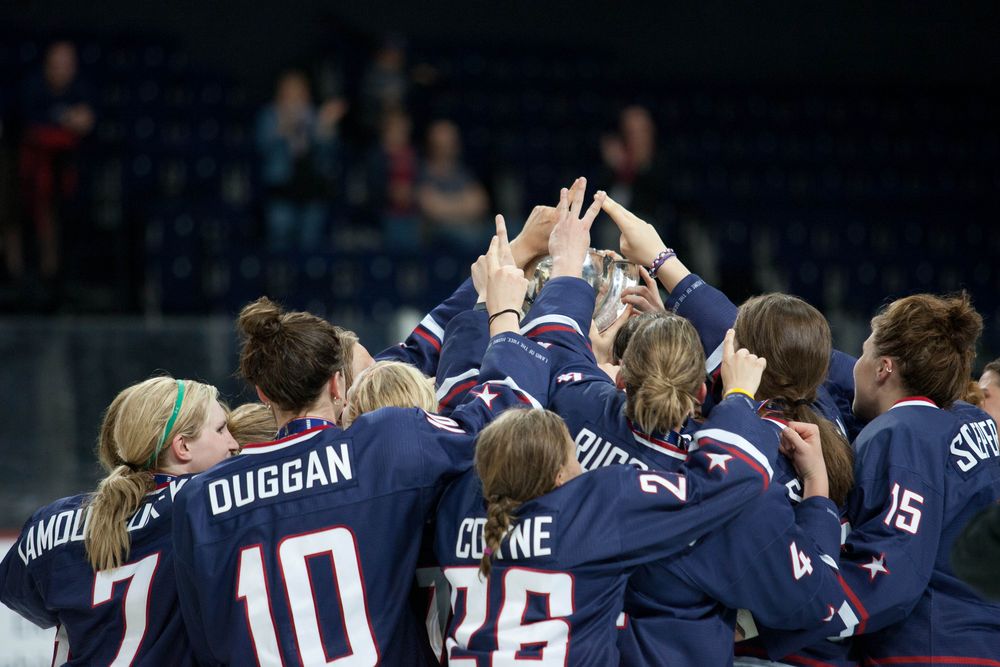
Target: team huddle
693 483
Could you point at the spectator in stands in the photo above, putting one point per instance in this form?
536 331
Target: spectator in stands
989 382
392 168
634 174
56 113
299 149
385 84
452 201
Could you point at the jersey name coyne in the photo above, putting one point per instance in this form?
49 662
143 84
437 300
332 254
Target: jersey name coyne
321 467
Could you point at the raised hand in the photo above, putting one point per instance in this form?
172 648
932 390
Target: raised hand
603 342
640 242
505 291
801 443
644 298
503 247
480 274
741 370
570 238
533 241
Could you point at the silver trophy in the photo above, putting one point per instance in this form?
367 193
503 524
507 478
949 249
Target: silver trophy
606 272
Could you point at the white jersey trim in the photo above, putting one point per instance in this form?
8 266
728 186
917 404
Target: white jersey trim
279 444
916 403
735 440
432 326
452 381
551 319
509 382
714 360
658 448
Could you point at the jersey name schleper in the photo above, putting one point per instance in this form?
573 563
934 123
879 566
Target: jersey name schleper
317 468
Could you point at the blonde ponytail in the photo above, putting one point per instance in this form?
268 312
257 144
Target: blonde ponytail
136 432
117 498
662 367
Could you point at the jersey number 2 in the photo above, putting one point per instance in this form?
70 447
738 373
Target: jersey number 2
135 607
294 552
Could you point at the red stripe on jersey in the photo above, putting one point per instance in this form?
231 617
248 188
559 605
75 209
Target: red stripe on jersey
798 660
455 392
429 338
285 439
932 660
657 441
857 604
735 451
551 327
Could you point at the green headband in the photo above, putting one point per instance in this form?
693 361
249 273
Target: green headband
170 424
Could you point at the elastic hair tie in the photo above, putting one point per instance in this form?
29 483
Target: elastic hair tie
800 402
505 311
169 426
487 551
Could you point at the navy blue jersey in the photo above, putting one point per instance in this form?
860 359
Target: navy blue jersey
305 549
127 615
921 474
422 348
557 585
712 314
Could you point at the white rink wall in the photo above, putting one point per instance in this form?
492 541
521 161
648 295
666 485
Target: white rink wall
22 644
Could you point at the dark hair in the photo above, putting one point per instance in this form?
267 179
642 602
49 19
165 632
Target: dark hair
517 458
795 339
932 339
291 356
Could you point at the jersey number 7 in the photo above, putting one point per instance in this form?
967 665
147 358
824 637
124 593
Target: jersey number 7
339 545
139 576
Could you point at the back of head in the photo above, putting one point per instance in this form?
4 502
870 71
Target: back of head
389 384
663 367
795 339
932 340
626 332
252 422
291 356
138 427
517 458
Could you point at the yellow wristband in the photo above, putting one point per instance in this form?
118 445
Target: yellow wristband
737 390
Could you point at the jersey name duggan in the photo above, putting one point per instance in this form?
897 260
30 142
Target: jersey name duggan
328 466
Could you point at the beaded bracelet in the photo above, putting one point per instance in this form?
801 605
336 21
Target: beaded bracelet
664 255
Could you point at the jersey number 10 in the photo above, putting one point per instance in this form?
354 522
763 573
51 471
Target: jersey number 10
339 545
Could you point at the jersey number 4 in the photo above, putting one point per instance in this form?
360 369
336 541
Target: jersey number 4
139 576
294 553
904 509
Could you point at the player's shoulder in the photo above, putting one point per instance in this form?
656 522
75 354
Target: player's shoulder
66 504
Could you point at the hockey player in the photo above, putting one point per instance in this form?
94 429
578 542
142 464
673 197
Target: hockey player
538 555
925 465
100 566
304 549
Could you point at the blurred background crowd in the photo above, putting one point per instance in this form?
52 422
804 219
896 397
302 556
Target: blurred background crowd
160 166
